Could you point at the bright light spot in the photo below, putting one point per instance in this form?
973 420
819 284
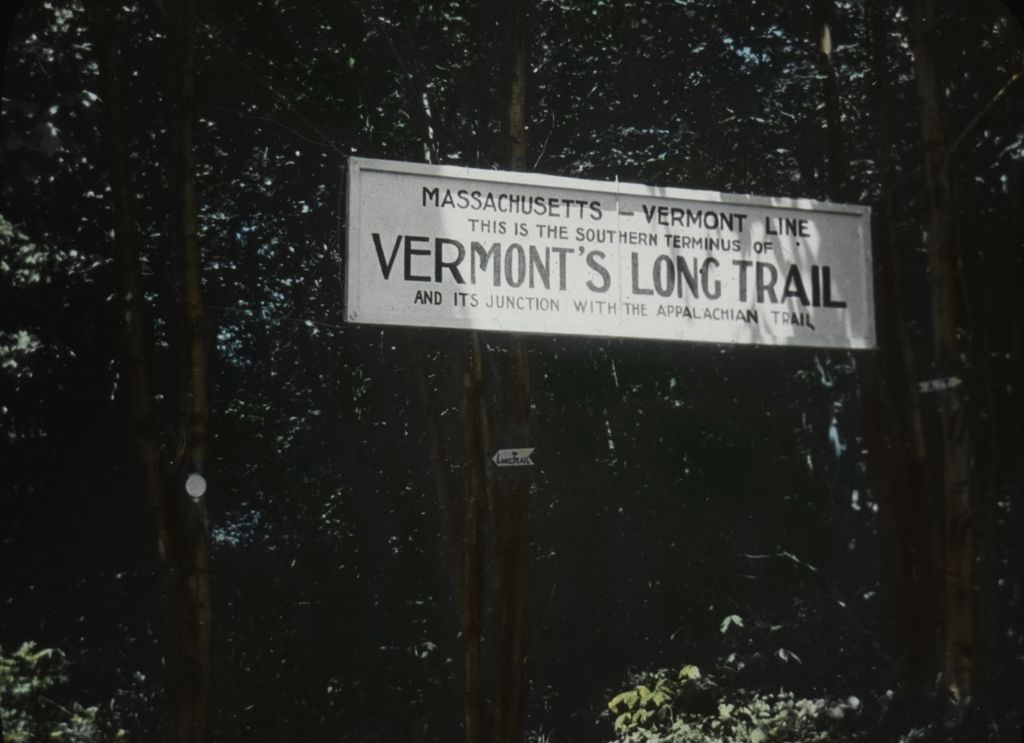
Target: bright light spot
195 485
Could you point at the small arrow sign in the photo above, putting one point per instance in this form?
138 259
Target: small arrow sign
937 385
513 458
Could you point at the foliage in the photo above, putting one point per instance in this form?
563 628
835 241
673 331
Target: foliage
32 680
679 476
688 707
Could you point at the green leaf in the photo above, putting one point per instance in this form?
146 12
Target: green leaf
730 621
689 672
645 694
627 699
623 722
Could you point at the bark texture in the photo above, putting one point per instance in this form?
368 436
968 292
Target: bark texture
190 592
472 576
893 421
180 521
824 26
954 454
511 490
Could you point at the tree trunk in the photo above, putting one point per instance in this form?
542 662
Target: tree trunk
946 307
824 10
512 488
893 423
191 578
462 523
185 564
136 346
482 76
476 443
518 56
827 477
510 500
501 495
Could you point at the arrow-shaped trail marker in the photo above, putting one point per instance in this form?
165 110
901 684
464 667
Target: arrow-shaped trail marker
938 385
513 458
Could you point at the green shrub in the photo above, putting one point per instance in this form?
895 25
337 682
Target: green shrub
32 708
687 707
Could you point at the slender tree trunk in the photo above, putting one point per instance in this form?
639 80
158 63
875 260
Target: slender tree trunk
510 500
518 56
946 309
503 496
894 422
986 440
483 33
127 264
191 578
462 525
826 478
476 443
512 488
464 519
449 505
185 588
824 11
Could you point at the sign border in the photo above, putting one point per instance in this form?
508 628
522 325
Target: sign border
357 165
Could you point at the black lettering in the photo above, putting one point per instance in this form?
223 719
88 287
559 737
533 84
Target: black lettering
452 265
826 280
705 273
663 269
386 265
635 259
427 297
561 253
540 267
606 279
767 275
743 266
690 277
410 251
485 256
516 278
794 286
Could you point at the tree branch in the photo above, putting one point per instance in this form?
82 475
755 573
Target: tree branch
973 123
286 101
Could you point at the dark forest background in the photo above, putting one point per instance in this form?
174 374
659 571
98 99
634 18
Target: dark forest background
717 543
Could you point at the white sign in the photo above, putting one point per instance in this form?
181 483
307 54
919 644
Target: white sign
513 458
452 247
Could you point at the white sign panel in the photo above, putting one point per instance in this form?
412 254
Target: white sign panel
451 247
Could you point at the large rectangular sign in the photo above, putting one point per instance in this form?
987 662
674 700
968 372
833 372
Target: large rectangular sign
452 247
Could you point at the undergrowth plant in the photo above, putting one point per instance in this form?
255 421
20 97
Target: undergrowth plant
686 706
